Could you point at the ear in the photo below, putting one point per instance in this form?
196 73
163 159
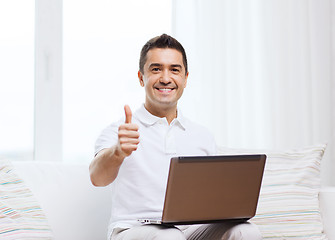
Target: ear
140 78
186 77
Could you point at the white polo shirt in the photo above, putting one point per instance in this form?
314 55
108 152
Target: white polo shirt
138 191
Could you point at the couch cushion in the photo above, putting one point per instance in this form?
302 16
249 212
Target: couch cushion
20 214
75 209
288 206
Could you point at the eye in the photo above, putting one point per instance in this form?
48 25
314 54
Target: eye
175 70
155 69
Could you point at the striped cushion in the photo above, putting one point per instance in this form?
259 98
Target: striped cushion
20 215
288 206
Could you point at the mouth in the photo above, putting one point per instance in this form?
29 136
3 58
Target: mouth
164 89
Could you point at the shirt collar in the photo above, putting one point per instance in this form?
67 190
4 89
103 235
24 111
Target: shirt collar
144 116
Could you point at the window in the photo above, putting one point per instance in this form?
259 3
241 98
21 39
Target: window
101 48
17 79
68 77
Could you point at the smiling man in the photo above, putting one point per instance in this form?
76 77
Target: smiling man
164 78
133 154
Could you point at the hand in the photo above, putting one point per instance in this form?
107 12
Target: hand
128 134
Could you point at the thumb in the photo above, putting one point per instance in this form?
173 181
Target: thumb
128 113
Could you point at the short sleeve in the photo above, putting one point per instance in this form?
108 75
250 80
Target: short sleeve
107 138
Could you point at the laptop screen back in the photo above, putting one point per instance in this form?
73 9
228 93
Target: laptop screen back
213 188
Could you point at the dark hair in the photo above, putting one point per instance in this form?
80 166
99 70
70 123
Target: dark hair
162 41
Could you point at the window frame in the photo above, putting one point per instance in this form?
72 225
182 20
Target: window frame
48 81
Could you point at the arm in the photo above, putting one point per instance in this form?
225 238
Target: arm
106 164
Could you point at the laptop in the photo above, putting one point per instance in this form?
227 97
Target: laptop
211 189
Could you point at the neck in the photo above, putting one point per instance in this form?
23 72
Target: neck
169 113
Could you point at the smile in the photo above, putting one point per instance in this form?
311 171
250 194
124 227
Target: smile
165 90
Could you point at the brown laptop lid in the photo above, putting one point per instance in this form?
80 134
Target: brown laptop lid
211 189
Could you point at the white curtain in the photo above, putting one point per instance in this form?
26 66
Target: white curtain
261 72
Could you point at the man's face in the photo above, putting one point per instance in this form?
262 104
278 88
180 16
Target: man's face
163 78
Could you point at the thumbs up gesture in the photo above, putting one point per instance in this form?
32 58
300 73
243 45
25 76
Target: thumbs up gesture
128 135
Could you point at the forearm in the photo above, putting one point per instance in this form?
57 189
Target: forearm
105 166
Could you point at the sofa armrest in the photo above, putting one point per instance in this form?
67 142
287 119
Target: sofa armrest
74 208
327 206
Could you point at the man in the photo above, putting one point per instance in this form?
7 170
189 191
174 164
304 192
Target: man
134 153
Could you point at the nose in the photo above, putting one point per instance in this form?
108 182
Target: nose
165 78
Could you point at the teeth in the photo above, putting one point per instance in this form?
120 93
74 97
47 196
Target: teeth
165 89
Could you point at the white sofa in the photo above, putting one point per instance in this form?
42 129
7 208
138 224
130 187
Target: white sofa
78 211
74 208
